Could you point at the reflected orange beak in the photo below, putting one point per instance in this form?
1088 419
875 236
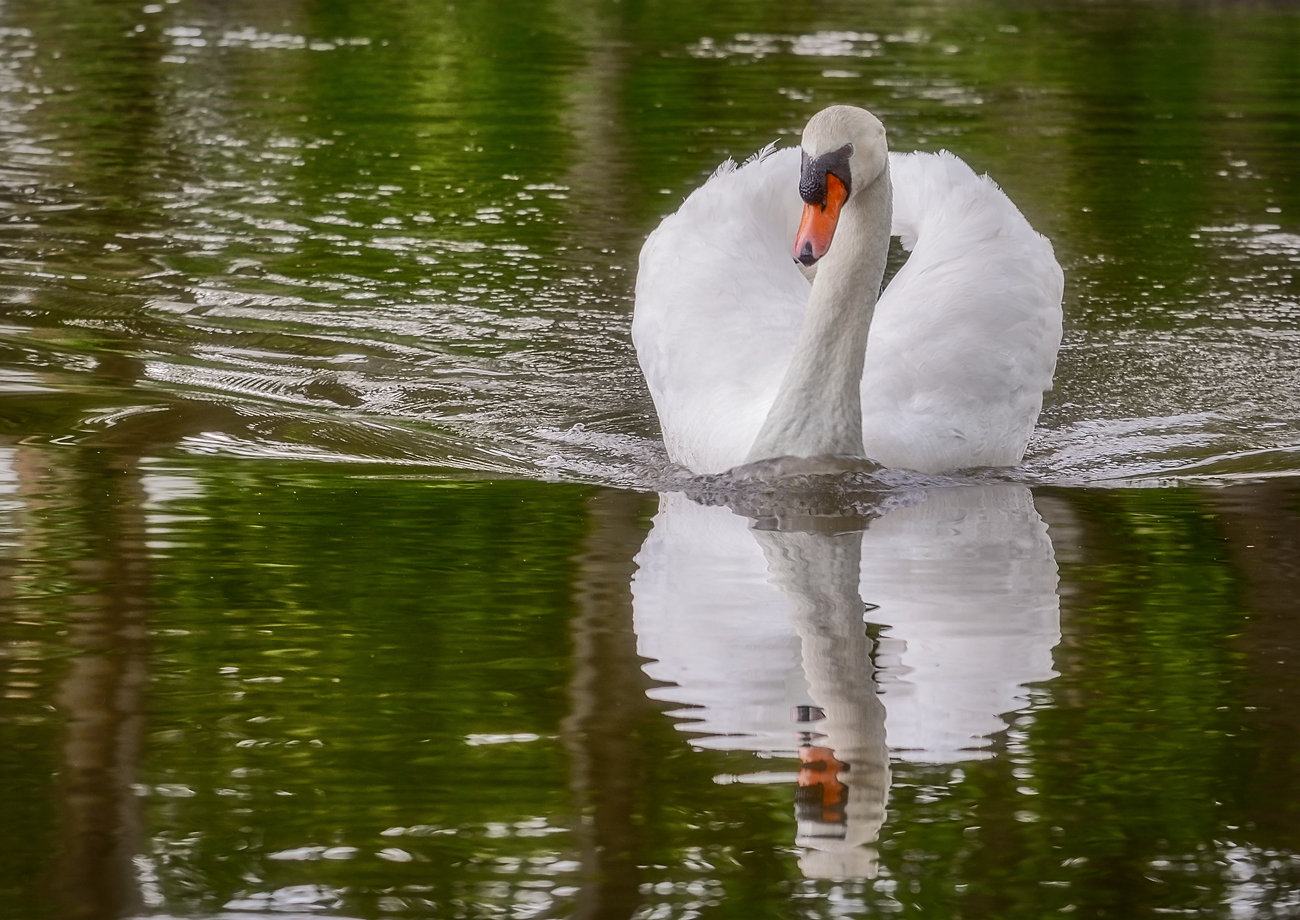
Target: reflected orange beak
818 224
819 767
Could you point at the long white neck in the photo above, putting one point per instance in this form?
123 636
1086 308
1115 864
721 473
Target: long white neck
818 409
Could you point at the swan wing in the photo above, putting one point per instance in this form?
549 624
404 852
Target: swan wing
964 339
719 301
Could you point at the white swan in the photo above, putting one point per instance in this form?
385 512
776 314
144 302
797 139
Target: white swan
746 361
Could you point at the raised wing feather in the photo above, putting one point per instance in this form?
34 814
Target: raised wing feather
964 339
719 301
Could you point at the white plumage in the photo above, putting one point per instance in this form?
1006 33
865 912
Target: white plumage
962 344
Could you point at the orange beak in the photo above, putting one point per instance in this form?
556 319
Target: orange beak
818 224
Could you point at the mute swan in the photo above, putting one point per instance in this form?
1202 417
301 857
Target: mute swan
746 361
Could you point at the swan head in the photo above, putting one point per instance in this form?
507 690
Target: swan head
844 151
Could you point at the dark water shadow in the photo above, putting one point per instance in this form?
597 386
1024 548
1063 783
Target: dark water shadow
608 700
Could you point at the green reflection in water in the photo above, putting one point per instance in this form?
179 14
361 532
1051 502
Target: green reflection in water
373 627
422 696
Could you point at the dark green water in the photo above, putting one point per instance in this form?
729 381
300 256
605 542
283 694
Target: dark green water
332 581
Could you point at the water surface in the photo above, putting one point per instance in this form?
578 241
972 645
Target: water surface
333 577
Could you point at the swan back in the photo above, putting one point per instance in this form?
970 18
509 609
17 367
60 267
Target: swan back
964 339
719 302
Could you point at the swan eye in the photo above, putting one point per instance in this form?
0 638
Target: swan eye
812 177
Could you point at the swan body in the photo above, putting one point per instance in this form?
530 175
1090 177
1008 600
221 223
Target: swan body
746 359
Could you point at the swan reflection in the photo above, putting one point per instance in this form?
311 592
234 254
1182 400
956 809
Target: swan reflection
759 635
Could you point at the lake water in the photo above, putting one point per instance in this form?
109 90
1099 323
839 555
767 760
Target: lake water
342 572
